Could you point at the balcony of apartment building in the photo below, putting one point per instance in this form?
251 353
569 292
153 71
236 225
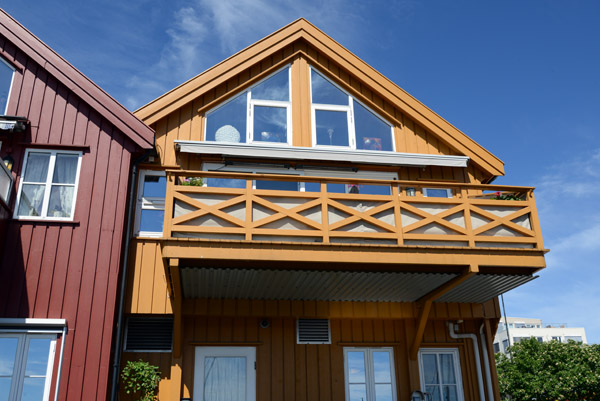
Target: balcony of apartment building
344 235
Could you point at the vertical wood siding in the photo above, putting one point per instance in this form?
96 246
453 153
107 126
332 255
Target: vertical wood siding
293 372
68 270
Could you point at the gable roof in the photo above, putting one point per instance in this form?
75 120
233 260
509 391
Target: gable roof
304 30
76 82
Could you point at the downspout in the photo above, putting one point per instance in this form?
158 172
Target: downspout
123 278
486 363
473 337
60 360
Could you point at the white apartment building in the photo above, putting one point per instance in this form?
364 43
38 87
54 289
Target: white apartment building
520 328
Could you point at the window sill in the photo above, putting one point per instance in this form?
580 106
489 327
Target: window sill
52 222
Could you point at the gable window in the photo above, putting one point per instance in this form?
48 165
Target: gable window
6 78
440 374
48 185
150 212
26 365
261 114
339 120
369 374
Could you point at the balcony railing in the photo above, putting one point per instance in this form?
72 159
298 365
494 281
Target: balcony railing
231 207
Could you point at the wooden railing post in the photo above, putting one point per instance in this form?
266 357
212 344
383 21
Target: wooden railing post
397 213
535 221
324 212
248 220
169 206
467 216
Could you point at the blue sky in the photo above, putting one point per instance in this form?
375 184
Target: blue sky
520 77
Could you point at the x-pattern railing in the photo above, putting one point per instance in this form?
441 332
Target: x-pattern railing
261 213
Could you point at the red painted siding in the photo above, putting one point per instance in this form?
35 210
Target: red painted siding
68 270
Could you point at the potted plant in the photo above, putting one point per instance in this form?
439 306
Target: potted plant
141 377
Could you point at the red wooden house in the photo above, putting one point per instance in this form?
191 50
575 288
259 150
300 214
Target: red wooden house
63 207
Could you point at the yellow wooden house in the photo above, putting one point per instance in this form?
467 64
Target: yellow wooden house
310 231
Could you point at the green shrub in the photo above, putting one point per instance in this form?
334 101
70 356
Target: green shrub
550 371
141 377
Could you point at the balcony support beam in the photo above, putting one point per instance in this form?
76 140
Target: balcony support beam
176 296
426 301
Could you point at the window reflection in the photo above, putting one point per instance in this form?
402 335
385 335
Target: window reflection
228 122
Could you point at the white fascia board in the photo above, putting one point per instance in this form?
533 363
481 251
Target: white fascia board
33 322
261 151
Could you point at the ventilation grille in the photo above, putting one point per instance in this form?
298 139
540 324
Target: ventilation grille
313 331
149 334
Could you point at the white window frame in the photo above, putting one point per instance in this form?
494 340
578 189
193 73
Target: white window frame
349 109
18 377
369 370
252 103
366 174
48 184
248 352
457 370
12 80
150 203
448 192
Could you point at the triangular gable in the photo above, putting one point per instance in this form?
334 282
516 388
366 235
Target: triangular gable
303 30
76 82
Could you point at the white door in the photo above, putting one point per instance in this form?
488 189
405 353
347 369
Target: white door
225 374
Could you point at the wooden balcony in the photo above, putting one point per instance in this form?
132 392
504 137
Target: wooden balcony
495 225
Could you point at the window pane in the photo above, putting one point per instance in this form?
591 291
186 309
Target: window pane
224 378
324 92
228 122
437 193
276 87
430 369
37 356
33 389
8 350
37 167
226 183
370 189
155 186
152 220
450 393
358 392
6 74
372 133
332 127
381 367
383 392
270 124
434 393
31 200
65 168
61 201
447 367
4 388
277 185
356 367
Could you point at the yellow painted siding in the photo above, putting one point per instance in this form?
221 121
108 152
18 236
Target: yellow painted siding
289 371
